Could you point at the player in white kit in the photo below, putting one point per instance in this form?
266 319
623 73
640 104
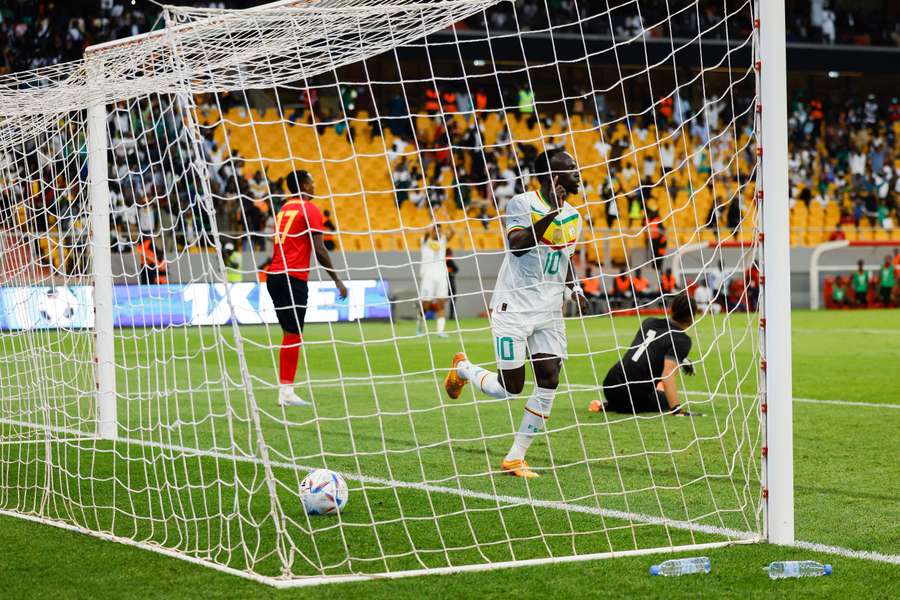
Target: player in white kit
526 310
434 283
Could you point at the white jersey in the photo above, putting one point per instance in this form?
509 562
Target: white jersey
434 257
536 280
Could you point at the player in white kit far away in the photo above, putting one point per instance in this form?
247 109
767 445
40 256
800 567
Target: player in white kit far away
526 310
434 282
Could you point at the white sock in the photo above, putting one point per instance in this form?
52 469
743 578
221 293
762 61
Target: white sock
441 322
537 411
483 379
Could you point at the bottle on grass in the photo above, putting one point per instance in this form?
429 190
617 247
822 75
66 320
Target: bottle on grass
784 569
681 566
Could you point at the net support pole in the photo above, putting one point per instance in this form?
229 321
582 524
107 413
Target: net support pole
779 455
104 355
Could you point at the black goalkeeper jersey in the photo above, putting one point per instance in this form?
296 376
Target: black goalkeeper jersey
643 364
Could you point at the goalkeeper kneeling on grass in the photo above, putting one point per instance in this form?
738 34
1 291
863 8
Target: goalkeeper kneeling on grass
645 380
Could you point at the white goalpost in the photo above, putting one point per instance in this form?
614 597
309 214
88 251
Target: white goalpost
778 474
139 346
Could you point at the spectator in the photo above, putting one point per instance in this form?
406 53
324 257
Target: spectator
417 188
837 234
622 288
402 181
151 261
329 238
703 296
886 281
752 280
259 189
526 106
233 260
737 295
649 170
641 286
657 242
894 110
829 33
667 156
452 271
591 287
857 162
668 284
861 284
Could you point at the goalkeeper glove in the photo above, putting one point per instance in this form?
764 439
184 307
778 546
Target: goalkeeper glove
680 412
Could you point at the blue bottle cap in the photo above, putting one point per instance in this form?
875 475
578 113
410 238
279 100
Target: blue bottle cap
827 569
654 570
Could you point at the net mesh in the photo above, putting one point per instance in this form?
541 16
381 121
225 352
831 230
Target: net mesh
403 122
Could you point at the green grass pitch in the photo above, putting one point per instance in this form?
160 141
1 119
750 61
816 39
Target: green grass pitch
846 470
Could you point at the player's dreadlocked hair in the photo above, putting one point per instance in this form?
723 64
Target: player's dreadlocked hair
682 308
542 168
295 181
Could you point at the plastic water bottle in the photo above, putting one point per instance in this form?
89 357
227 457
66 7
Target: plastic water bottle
797 568
681 566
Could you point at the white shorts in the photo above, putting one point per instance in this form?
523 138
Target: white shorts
519 335
434 286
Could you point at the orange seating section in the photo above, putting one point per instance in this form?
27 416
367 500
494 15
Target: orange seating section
354 179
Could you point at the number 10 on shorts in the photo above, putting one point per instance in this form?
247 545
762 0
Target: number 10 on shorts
505 348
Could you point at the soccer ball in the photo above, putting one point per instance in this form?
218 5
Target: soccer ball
323 492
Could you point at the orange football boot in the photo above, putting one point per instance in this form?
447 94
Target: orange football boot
517 468
453 382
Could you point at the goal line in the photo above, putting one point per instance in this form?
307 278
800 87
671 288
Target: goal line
295 582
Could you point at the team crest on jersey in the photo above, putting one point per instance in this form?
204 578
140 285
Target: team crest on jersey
562 232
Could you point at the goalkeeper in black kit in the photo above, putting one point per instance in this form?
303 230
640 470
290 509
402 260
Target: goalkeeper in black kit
645 379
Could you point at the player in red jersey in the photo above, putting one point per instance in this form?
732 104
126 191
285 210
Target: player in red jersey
299 232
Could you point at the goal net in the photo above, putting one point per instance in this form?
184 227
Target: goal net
139 349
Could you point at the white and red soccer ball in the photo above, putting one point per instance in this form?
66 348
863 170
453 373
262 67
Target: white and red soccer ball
323 492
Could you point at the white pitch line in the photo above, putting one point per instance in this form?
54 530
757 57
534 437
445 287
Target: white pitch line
871 555
847 403
581 387
849 330
587 388
810 400
386 380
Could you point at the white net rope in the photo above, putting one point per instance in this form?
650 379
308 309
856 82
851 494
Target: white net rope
403 123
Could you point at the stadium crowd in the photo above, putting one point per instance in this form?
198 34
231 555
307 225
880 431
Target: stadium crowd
846 154
38 34
46 32
809 21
